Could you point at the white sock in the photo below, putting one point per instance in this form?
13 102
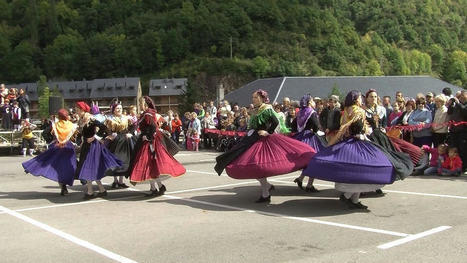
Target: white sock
159 183
89 186
24 152
355 198
310 182
264 186
31 151
101 187
153 184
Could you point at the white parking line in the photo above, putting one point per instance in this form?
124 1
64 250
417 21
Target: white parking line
413 237
68 237
367 229
385 190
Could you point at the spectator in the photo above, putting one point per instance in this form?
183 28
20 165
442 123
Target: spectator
195 130
396 113
403 120
28 137
375 114
244 114
24 102
453 164
212 109
176 128
6 115
387 105
285 104
12 95
457 112
330 118
242 126
290 118
208 123
447 92
438 155
16 116
278 110
421 116
201 112
439 128
399 95
430 102
3 93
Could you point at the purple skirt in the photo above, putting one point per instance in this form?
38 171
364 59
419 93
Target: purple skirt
57 164
97 161
351 161
308 137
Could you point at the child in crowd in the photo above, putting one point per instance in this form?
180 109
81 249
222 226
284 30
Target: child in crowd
28 137
453 164
438 155
195 139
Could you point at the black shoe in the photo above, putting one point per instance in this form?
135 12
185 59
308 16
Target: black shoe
83 182
379 192
264 199
162 190
357 206
299 183
311 189
153 193
122 185
89 196
101 194
343 198
63 191
114 185
271 188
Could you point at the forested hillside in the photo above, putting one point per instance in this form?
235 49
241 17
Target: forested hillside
76 39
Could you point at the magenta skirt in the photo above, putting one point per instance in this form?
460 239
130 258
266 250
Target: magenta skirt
271 155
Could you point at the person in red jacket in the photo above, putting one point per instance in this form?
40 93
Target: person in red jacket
453 164
176 128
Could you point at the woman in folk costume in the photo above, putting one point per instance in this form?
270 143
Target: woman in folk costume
376 118
151 158
94 159
119 142
355 163
262 152
306 125
58 163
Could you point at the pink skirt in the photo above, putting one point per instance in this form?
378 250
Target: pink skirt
271 155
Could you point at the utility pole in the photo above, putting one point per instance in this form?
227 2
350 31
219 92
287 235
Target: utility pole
230 47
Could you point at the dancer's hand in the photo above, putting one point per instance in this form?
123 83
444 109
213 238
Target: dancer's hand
89 140
263 133
145 138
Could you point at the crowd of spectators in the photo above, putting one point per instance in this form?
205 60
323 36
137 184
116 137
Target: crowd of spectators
428 120
14 107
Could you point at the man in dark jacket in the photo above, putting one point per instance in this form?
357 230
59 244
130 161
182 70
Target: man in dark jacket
330 117
457 112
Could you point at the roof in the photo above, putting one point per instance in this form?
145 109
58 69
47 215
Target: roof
296 87
117 87
167 87
86 89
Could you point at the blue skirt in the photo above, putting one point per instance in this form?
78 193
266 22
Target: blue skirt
95 160
57 164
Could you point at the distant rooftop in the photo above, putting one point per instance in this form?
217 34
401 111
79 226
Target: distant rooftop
167 87
86 89
296 87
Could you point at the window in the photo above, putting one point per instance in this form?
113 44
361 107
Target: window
158 87
178 87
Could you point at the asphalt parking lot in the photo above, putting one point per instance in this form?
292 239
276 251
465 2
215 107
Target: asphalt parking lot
208 218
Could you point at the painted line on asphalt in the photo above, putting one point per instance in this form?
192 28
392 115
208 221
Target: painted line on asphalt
385 190
73 239
413 237
309 220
